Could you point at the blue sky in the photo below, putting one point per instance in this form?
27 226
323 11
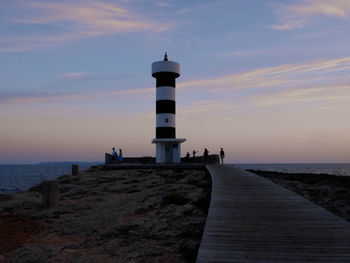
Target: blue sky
267 80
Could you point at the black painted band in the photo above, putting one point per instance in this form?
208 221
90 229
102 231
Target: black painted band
157 74
165 106
165 79
165 132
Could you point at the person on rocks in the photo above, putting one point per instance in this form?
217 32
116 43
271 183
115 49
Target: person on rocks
114 154
120 157
194 154
206 153
222 155
187 158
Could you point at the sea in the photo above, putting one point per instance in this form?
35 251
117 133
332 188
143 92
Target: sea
20 177
313 168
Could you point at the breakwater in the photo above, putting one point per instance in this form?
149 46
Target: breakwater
212 159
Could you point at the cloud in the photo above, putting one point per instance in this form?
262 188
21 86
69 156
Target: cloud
74 76
186 10
96 17
163 4
25 97
73 20
289 75
305 95
314 81
296 16
21 97
242 53
284 83
206 106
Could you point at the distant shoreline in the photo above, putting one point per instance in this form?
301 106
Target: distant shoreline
55 163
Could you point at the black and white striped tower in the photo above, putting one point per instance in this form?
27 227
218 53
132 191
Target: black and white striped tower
168 148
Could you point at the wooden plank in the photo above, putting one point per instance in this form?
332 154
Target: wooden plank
251 219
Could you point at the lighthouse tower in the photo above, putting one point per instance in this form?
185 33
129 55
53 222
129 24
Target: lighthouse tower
167 146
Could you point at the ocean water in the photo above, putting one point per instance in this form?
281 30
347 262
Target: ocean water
20 177
314 168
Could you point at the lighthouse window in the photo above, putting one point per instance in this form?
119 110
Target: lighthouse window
166 120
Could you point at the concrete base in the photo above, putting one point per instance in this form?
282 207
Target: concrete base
168 150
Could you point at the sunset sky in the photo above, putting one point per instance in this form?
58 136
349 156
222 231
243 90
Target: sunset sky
267 80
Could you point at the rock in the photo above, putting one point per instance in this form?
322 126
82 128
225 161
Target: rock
29 254
118 216
188 250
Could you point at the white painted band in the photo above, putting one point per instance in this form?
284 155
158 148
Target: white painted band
165 120
165 66
165 93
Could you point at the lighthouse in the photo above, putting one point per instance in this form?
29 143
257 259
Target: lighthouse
168 148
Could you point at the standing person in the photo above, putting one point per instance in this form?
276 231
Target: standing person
120 157
194 154
187 159
206 152
114 154
222 156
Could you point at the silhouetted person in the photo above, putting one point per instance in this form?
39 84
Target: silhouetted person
222 156
206 153
187 157
120 157
194 154
114 154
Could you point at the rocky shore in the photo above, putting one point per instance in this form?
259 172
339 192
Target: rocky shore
329 191
137 215
140 215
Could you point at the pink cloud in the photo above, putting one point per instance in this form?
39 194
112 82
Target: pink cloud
296 16
277 76
75 20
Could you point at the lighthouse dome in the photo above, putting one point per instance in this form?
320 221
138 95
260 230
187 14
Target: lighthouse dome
166 66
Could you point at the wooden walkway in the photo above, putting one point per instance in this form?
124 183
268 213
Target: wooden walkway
251 219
